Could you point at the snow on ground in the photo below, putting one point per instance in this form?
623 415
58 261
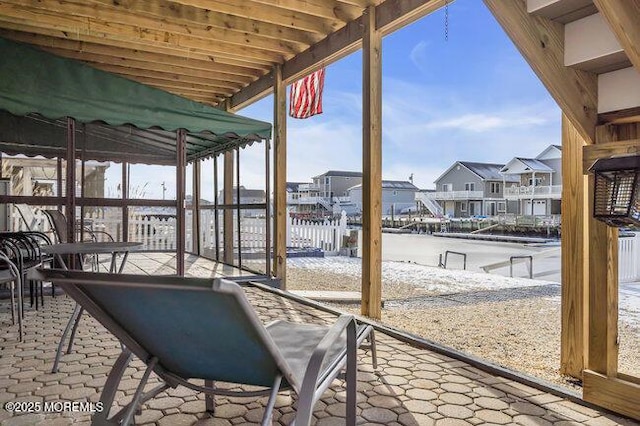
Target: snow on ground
448 281
435 280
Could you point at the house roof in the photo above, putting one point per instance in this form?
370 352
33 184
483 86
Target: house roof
340 173
293 186
520 165
487 171
550 152
394 184
126 120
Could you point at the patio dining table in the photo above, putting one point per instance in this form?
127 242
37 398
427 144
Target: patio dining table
115 248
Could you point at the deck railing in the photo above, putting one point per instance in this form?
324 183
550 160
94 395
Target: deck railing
159 233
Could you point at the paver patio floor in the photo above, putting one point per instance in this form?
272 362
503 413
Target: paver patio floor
412 386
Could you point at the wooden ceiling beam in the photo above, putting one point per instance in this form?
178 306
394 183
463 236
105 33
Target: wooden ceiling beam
186 87
165 56
169 16
130 63
329 9
266 14
541 42
236 67
151 70
115 30
623 17
145 76
390 15
137 73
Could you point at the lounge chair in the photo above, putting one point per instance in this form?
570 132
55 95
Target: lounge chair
196 328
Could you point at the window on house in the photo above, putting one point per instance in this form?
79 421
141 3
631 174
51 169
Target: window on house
395 192
538 181
495 187
326 180
502 207
447 187
463 207
469 186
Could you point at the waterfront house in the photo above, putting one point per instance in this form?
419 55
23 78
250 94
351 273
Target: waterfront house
469 189
397 196
538 190
325 195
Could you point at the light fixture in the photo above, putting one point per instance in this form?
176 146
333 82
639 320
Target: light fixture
617 191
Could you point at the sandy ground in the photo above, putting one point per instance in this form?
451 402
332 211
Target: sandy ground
512 322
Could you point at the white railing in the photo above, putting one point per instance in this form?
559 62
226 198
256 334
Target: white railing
455 195
548 191
629 258
159 233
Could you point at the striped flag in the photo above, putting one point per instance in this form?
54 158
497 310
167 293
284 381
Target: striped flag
305 98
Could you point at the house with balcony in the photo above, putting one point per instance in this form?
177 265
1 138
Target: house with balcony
326 195
538 189
469 189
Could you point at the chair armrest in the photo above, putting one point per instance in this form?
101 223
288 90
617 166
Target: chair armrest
306 396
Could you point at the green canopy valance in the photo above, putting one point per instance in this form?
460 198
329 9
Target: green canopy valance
123 118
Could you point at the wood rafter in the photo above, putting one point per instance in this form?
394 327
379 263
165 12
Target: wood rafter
46 37
329 9
268 14
623 17
541 42
136 51
194 20
62 18
143 65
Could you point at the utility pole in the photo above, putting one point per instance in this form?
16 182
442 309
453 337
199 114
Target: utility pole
164 189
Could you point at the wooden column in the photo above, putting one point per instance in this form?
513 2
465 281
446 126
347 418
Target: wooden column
197 171
371 167
603 283
603 384
181 166
228 212
280 177
574 300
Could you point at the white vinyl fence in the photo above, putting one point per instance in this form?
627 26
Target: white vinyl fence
159 233
629 258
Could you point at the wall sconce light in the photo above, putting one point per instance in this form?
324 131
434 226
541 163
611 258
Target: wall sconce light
617 191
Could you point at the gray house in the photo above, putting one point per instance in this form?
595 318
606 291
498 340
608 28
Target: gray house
470 189
336 183
397 196
325 196
538 188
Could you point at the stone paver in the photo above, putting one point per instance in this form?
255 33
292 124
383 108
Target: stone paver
412 386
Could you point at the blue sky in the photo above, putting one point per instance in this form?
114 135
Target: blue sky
471 97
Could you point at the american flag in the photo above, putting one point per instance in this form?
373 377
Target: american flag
305 98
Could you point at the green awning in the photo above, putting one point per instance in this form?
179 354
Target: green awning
41 88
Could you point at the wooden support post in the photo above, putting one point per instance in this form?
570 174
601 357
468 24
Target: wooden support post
228 212
574 300
371 167
197 171
181 166
603 283
280 177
